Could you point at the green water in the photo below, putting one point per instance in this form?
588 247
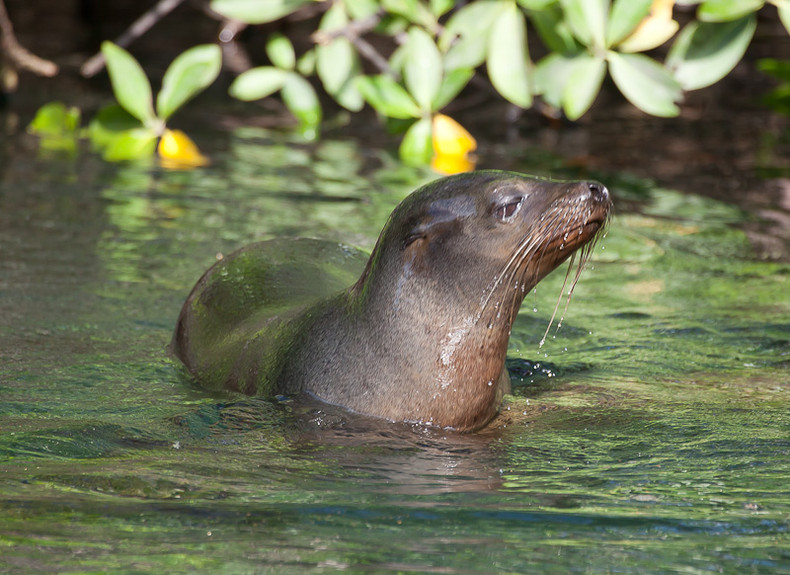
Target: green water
653 436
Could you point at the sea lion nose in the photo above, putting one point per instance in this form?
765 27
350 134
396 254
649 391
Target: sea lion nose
598 191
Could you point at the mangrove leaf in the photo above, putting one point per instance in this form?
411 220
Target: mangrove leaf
191 72
129 83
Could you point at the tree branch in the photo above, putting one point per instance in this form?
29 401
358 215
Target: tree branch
139 27
16 54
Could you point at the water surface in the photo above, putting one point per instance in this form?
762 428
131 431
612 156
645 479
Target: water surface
650 434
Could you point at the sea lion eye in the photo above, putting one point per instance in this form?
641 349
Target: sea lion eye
505 212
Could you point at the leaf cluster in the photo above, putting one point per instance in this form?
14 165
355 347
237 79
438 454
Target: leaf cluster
131 129
437 48
441 45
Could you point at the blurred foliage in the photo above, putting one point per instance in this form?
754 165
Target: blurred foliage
131 129
436 47
779 98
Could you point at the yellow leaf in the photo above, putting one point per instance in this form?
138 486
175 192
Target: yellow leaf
452 145
452 164
654 30
178 152
450 138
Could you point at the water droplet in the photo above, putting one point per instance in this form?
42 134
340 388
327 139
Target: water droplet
490 383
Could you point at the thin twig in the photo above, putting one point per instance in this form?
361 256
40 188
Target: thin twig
234 56
139 27
368 51
353 33
353 29
17 55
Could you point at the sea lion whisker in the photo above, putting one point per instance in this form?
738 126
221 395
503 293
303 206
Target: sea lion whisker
585 254
526 255
521 252
583 258
559 299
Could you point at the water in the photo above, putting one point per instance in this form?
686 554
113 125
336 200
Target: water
651 436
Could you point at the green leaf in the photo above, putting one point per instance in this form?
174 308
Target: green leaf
256 11
464 39
551 76
281 52
361 9
536 5
779 98
305 65
587 19
132 144
129 83
416 149
507 62
454 81
584 81
55 119
553 30
257 83
472 22
57 127
337 62
646 83
300 98
387 97
624 18
704 53
190 73
727 10
422 69
413 10
779 69
466 52
441 7
108 124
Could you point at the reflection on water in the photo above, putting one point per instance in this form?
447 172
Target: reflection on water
649 435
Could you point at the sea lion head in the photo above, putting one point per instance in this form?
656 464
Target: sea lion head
448 275
474 235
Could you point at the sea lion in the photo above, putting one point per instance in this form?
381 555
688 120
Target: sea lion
422 335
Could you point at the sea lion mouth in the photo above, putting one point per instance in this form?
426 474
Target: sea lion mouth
569 240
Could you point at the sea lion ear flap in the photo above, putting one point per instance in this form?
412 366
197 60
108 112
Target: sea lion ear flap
438 224
412 237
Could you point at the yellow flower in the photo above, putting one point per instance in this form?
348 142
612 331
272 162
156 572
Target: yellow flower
178 152
452 145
